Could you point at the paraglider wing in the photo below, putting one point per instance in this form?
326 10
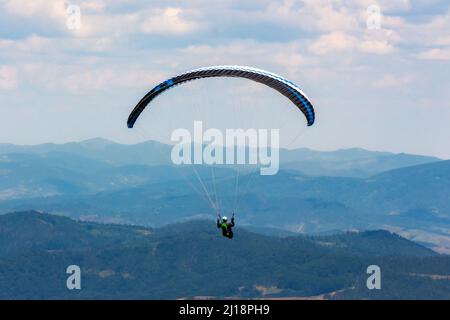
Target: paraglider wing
282 85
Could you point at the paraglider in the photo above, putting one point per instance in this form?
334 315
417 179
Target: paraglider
226 226
274 81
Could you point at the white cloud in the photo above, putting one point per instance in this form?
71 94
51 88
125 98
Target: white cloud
290 58
319 15
376 47
443 40
393 81
162 21
105 25
8 77
436 31
30 46
329 16
435 54
389 5
342 42
94 5
78 78
169 21
49 8
280 56
333 42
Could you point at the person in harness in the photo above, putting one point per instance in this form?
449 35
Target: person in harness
226 226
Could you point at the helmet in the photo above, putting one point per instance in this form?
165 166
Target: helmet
224 218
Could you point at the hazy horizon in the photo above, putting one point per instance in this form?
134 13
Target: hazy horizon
140 142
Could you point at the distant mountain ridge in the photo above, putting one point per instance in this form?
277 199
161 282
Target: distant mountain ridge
355 162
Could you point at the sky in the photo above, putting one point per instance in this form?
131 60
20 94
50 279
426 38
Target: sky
378 72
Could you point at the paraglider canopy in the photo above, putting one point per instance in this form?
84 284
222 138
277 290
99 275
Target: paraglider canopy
282 85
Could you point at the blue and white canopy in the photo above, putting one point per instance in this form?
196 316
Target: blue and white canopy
282 85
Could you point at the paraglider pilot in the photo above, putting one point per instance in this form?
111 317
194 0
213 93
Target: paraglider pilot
226 226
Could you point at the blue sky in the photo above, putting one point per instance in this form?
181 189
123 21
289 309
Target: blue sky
385 89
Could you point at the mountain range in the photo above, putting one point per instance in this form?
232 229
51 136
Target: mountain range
314 192
355 162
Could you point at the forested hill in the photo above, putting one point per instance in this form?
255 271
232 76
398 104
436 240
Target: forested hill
192 259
